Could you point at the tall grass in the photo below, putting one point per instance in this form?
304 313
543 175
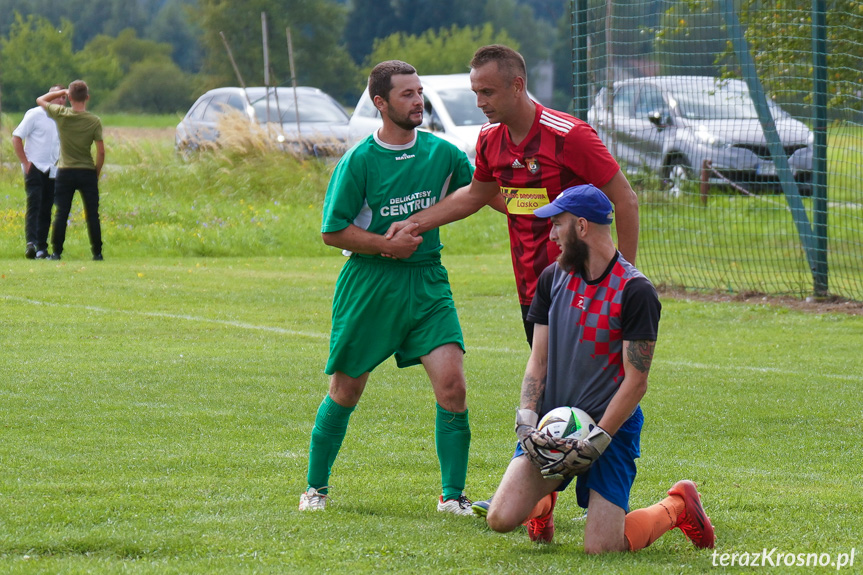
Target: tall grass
245 198
221 201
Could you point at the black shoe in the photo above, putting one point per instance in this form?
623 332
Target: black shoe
30 252
55 256
98 258
42 255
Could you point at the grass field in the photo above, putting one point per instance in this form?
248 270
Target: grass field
156 407
156 414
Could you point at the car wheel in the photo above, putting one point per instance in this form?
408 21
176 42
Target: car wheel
679 173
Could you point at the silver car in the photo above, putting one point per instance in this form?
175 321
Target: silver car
450 112
672 124
323 123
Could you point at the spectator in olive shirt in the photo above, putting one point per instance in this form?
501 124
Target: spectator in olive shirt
79 130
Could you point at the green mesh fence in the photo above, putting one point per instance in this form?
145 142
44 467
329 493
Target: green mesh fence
740 125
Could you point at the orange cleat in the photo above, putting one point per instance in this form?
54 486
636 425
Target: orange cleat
541 529
694 522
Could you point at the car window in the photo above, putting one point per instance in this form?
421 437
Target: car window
313 108
366 108
237 101
650 100
197 112
269 109
461 106
320 109
218 106
715 103
623 99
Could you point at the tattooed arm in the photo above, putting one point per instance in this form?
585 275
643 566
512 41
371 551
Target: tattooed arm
637 357
533 385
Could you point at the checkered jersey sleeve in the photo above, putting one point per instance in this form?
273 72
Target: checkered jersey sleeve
640 311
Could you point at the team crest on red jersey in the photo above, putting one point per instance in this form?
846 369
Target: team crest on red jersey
532 165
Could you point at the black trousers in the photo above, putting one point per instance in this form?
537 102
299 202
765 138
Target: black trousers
528 325
40 199
86 182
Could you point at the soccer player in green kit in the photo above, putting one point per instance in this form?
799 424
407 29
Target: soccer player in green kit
400 305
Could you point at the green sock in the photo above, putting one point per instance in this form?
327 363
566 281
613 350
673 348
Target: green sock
452 441
331 425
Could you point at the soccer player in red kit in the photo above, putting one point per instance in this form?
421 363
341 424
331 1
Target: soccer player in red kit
525 157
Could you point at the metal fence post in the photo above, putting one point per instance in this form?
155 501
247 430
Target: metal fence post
819 150
578 25
780 159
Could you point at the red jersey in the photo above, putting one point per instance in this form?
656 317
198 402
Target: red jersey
559 152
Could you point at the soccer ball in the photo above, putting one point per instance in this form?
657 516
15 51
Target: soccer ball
566 423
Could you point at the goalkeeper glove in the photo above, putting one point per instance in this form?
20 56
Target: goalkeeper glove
578 455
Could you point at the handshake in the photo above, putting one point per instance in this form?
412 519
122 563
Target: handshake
558 458
402 240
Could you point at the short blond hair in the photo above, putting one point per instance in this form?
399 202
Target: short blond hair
78 91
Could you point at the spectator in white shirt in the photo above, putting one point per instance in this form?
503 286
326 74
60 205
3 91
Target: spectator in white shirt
37 146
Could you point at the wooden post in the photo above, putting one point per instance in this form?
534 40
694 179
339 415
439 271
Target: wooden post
705 180
234 64
1 127
293 78
267 72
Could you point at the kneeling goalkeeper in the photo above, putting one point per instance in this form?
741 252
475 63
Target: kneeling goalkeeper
597 319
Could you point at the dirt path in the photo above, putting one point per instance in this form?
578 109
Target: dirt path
829 305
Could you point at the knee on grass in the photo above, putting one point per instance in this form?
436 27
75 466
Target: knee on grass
498 522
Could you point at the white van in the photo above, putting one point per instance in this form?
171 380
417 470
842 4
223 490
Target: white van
450 112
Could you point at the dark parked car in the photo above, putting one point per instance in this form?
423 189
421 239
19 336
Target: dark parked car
323 125
671 124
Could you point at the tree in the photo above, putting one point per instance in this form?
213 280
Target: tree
316 27
105 61
780 39
127 49
34 56
371 20
447 51
550 10
154 87
173 25
689 40
536 38
159 20
90 17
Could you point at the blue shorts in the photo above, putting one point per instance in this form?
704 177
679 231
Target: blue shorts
613 474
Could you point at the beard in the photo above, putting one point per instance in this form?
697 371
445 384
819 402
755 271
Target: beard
404 122
574 254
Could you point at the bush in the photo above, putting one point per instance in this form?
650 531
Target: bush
153 88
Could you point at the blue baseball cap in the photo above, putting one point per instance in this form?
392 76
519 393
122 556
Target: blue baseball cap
586 201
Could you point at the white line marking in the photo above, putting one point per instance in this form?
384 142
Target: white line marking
470 348
238 324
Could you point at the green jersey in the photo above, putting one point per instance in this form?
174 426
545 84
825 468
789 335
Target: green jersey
376 184
78 131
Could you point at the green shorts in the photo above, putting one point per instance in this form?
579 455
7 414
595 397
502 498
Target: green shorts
383 307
